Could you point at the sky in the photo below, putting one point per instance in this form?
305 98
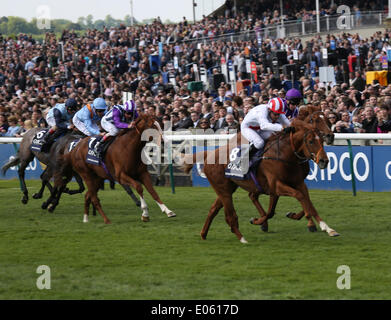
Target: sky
173 10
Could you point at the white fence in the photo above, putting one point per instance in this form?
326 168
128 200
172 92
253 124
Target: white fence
180 136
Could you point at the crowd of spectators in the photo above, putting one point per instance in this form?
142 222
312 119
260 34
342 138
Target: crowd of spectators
36 76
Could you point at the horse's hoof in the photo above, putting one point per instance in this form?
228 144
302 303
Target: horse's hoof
51 208
312 229
242 240
44 206
171 214
138 203
144 219
37 196
333 233
252 220
290 215
25 200
107 222
264 228
203 236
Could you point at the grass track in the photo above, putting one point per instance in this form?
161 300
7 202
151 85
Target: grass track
166 259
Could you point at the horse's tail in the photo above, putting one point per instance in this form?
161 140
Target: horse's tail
14 161
190 160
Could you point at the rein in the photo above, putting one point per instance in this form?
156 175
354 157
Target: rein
315 157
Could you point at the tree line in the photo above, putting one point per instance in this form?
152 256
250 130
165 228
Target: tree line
15 25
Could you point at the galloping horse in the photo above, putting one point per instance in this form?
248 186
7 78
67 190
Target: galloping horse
25 155
122 162
314 116
279 174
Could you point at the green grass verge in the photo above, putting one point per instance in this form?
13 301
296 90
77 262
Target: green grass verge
166 259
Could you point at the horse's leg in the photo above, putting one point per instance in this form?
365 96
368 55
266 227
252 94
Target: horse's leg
314 213
213 211
44 182
87 203
62 183
231 217
297 216
273 199
147 182
302 195
94 185
126 180
255 200
130 192
21 172
80 183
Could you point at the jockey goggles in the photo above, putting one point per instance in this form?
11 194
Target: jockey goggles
294 101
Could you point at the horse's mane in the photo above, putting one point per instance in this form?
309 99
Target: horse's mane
306 110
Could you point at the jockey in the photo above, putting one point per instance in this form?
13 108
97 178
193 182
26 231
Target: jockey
119 117
86 119
58 119
293 97
262 121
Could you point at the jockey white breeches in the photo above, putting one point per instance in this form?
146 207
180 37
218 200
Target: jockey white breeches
82 127
109 127
51 121
253 137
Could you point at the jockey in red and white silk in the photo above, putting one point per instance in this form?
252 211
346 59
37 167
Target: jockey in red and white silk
263 120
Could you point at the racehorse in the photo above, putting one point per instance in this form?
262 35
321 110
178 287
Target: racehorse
314 116
279 174
122 163
25 155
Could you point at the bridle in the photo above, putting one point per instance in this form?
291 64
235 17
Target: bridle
313 156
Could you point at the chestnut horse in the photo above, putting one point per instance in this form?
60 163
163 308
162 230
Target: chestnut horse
314 116
279 174
123 163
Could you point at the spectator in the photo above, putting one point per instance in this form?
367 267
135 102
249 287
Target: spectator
221 122
184 120
3 125
369 123
332 117
231 123
203 124
383 120
13 128
195 117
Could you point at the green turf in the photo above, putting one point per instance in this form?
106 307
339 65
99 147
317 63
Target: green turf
166 259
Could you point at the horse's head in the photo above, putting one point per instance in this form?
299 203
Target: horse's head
310 143
315 116
145 121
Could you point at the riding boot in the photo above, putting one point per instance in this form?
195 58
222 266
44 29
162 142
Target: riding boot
99 147
254 155
253 151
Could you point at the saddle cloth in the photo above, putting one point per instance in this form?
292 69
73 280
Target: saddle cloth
92 153
240 166
37 143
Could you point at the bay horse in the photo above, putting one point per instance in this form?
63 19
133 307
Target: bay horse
122 163
312 115
279 174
